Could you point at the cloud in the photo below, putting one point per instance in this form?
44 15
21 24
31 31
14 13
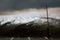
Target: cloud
26 4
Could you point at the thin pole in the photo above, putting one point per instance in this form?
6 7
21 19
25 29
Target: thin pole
47 21
47 14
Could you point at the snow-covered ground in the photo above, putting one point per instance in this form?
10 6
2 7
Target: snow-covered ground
28 15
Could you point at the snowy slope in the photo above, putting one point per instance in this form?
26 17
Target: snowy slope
22 19
19 19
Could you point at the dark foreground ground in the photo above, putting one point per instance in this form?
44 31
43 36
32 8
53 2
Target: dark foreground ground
22 34
35 33
31 32
32 38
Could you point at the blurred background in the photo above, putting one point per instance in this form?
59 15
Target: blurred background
29 9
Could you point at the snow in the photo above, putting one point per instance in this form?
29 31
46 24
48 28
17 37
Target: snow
18 19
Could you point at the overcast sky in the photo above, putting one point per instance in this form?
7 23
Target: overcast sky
26 4
11 6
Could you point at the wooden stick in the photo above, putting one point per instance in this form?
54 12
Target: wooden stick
12 38
46 38
28 38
